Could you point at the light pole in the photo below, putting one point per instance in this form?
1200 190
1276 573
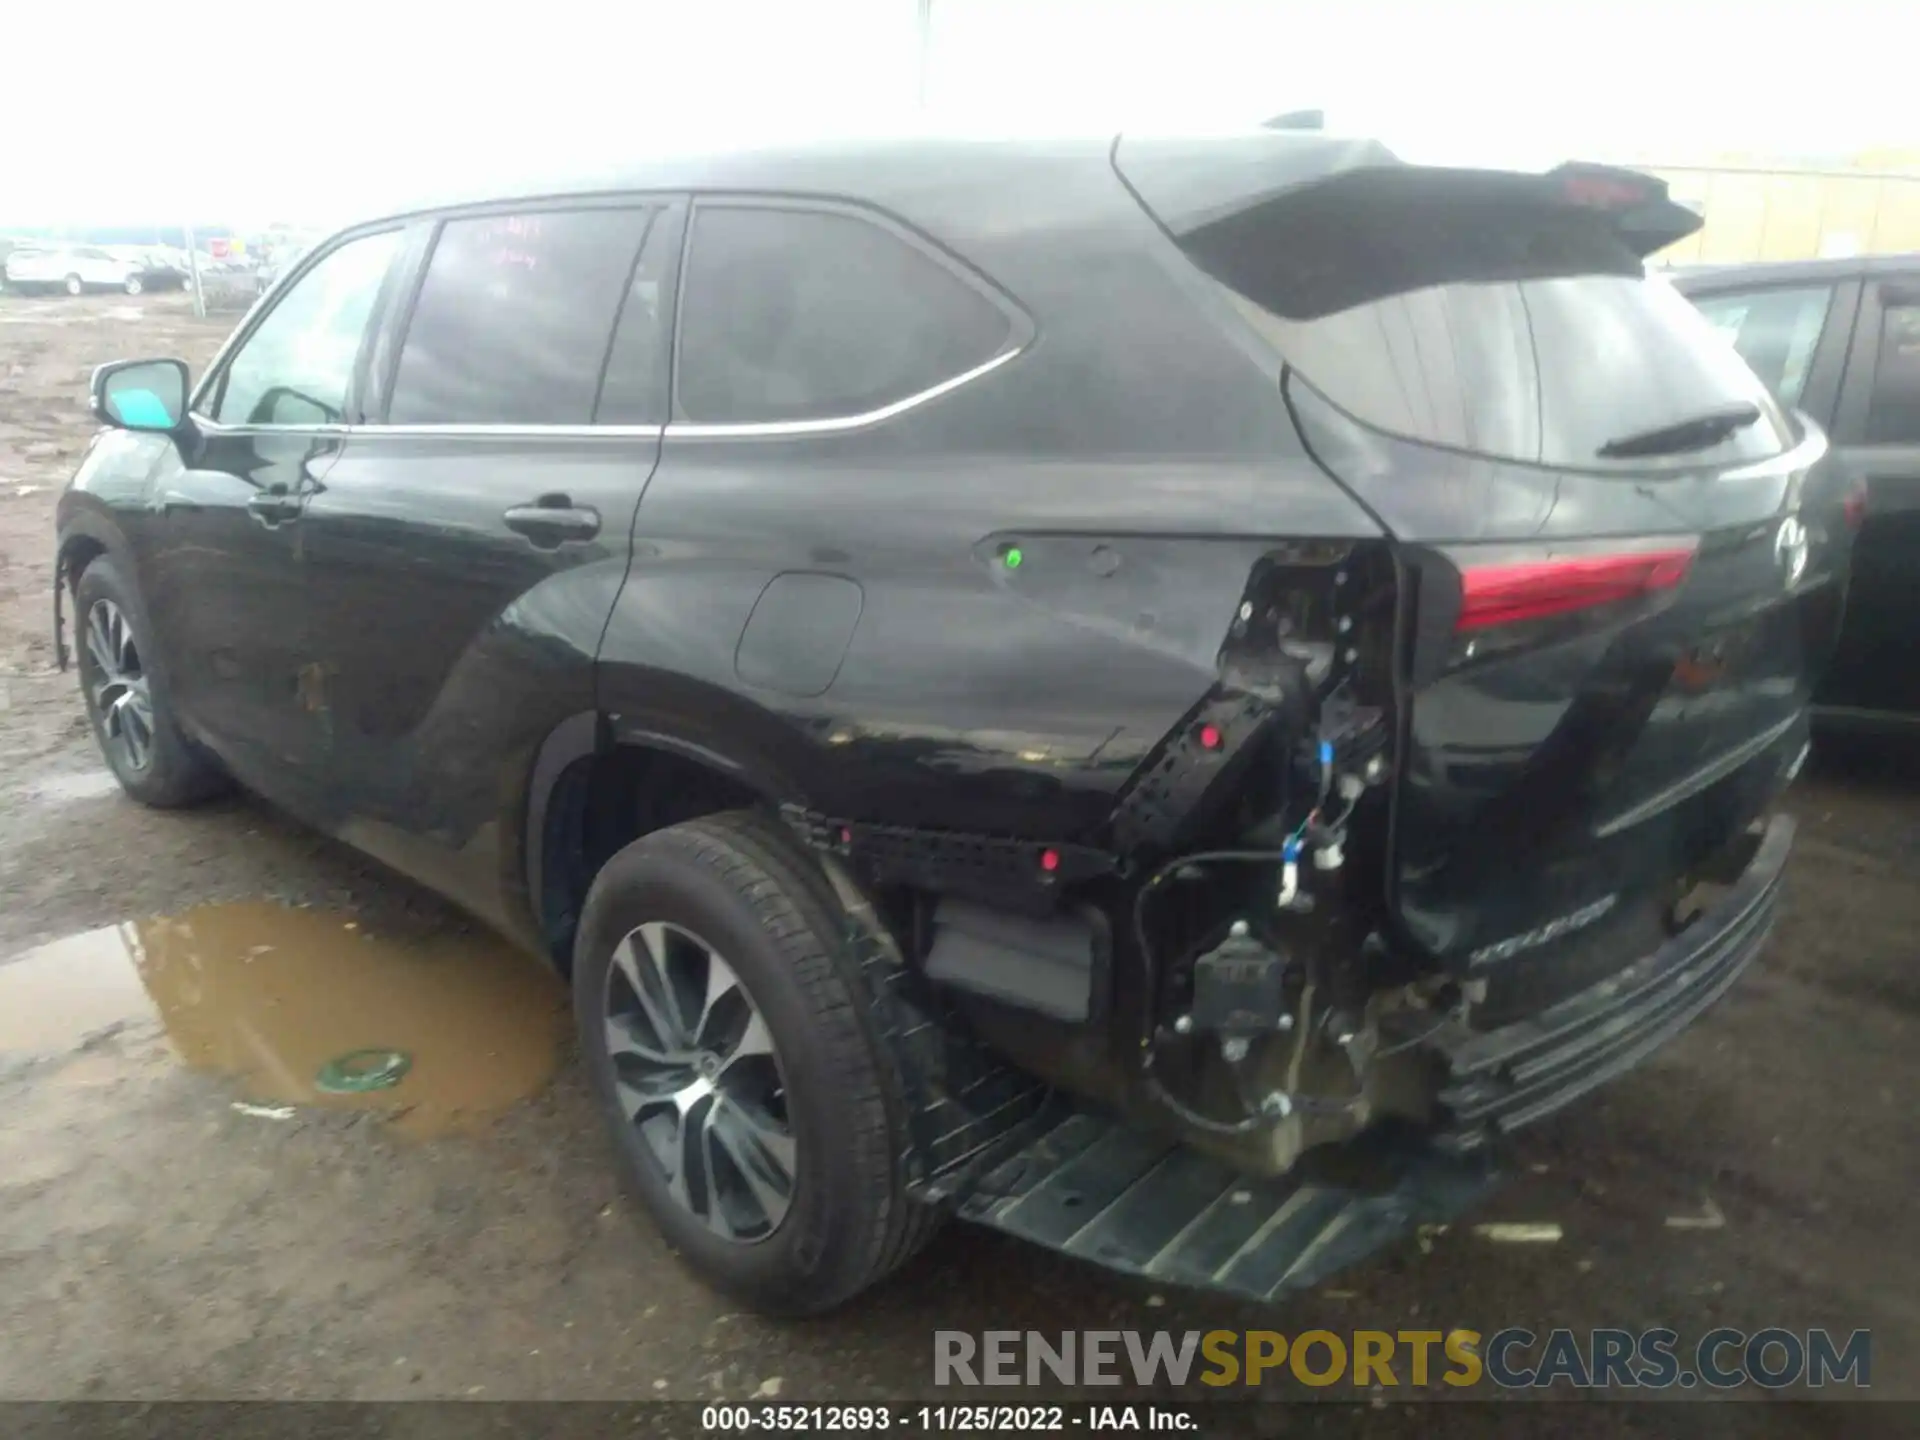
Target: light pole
924 31
193 276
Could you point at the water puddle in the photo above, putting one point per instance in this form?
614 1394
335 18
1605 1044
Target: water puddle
273 996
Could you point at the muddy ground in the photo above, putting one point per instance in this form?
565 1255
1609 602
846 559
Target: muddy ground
157 1240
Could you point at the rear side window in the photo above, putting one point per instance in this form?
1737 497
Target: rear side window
514 318
1774 331
1549 345
1893 415
812 315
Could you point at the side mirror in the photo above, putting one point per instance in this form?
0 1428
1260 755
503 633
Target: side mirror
148 395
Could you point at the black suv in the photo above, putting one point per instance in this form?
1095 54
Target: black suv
1067 682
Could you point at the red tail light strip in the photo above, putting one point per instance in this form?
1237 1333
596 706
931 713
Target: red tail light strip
1533 589
1854 507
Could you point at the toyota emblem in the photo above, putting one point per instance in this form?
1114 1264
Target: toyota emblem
1790 550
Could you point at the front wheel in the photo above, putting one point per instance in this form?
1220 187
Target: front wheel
74 285
127 700
755 1113
135 285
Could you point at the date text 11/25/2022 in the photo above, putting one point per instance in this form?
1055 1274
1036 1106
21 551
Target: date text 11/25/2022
946 1419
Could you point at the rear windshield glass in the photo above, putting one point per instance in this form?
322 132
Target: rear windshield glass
1547 368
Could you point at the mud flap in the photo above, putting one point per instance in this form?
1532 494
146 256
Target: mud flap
1094 1189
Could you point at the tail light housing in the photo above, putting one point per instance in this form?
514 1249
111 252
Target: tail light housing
1511 591
1854 506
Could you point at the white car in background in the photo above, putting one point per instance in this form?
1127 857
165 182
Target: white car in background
76 269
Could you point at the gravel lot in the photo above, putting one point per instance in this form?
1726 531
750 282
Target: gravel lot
156 1241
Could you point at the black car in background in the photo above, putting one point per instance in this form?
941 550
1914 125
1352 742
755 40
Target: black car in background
1052 680
1840 340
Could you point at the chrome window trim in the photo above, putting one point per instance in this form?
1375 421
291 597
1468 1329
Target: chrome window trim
835 424
492 432
679 430
214 427
453 432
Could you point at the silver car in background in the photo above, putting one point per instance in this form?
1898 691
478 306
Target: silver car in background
76 269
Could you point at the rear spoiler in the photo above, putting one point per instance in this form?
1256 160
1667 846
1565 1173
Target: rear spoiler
1642 210
1363 233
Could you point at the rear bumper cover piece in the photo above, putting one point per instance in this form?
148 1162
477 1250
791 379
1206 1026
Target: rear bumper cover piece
1497 1081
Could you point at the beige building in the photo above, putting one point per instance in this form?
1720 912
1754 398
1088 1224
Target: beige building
1761 209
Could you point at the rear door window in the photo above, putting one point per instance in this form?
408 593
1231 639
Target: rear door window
514 317
1893 415
1775 331
801 314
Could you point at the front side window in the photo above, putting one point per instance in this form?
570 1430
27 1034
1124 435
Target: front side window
515 316
1893 415
1775 332
296 368
809 314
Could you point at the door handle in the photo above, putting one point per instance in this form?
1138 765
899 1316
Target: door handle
274 505
552 520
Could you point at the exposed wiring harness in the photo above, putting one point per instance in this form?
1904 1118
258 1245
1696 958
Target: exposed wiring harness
1414 1042
1314 828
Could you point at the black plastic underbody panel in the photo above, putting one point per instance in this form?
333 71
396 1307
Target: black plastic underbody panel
1093 1188
965 1105
1015 1156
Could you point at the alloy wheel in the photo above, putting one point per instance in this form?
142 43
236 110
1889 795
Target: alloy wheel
699 1079
121 698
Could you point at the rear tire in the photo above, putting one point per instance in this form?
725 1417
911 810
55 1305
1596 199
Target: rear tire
74 285
124 687
738 885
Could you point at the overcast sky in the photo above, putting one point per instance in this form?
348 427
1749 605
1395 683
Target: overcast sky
130 112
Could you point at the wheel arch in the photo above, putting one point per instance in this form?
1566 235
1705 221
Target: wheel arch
600 782
82 540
